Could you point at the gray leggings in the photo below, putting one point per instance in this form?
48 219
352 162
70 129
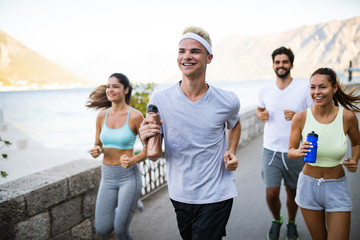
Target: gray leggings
118 194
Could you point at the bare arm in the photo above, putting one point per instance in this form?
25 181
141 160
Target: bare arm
352 126
233 135
97 149
125 160
295 151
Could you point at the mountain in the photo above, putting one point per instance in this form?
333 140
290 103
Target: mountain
238 57
22 69
331 44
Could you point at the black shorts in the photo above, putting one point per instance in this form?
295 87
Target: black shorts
202 221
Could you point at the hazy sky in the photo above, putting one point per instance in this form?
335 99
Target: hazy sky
95 38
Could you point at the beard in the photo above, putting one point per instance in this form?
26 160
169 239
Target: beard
284 74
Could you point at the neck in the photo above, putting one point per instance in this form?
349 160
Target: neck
193 89
325 111
284 82
118 107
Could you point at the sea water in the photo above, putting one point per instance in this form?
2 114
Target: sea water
59 118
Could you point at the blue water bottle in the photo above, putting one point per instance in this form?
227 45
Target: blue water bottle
311 156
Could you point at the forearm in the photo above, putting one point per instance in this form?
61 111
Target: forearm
234 137
141 156
293 153
355 153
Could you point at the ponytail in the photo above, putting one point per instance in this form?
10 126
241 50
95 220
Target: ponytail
347 100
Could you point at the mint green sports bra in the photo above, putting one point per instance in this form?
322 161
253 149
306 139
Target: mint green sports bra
120 138
332 142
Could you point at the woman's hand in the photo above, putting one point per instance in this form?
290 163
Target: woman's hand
126 161
350 164
304 149
288 115
95 151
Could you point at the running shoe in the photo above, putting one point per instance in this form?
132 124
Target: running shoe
274 233
292 233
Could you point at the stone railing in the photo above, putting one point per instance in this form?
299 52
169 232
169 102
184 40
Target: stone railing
251 126
59 203
350 86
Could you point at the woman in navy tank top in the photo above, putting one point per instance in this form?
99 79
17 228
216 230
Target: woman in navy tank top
117 125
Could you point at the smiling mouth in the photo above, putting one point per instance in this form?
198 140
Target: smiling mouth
188 64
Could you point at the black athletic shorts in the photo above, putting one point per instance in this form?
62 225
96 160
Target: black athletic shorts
202 221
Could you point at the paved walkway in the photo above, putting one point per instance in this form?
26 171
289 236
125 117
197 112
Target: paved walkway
250 217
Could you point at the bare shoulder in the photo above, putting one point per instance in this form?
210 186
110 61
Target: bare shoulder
101 114
100 118
300 116
349 114
349 117
136 115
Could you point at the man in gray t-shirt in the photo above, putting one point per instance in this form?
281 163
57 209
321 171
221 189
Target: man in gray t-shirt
200 156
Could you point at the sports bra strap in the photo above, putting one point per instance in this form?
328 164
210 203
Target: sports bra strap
128 116
127 119
106 117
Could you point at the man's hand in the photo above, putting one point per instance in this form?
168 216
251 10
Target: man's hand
288 115
231 161
148 128
263 116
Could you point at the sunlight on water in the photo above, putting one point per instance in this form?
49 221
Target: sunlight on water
59 119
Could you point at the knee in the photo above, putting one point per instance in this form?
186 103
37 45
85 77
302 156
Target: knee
103 230
291 193
272 194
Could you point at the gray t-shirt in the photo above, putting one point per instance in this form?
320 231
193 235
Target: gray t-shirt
195 141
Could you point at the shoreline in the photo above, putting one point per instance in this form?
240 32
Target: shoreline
27 156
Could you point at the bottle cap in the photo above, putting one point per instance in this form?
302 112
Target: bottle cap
152 108
312 134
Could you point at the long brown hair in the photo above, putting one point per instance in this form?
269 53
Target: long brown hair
98 98
347 100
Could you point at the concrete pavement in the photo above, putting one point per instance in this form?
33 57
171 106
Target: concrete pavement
250 217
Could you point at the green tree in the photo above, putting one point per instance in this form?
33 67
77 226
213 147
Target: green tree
140 96
4 155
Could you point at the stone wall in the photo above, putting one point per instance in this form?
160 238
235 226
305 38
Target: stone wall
352 85
59 203
251 126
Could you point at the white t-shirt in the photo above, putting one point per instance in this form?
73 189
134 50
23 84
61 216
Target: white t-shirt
295 97
195 142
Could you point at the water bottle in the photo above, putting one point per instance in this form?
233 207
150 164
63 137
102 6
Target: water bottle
311 156
154 150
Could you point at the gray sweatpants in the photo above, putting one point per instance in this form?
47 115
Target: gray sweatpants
118 194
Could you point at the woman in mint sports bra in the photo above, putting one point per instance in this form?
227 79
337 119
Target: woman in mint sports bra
322 191
116 129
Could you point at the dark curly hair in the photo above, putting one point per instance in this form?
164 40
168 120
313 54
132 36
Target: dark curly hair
286 51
